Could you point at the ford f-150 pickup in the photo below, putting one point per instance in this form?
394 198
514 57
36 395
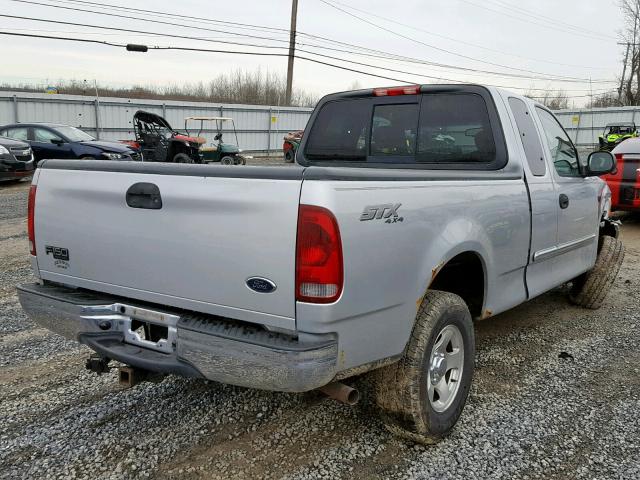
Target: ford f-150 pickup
410 211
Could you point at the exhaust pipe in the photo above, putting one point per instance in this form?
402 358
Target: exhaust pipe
341 392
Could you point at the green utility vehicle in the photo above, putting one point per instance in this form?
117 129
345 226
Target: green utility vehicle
616 133
225 153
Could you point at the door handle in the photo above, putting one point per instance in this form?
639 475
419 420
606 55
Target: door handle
563 200
144 195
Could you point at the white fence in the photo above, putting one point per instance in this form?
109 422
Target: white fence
260 128
585 125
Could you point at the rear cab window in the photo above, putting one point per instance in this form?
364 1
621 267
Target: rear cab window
440 128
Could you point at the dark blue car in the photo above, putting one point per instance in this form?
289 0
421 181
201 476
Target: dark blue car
50 140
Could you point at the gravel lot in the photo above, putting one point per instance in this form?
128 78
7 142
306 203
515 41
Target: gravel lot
530 414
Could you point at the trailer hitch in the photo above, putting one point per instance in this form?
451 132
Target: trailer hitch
98 364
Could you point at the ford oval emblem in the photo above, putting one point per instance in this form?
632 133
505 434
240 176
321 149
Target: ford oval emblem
261 285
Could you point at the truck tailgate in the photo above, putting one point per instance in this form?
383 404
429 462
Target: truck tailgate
214 232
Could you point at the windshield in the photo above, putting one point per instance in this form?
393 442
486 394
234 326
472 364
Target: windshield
74 134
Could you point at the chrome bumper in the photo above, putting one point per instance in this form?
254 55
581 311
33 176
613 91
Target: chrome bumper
196 345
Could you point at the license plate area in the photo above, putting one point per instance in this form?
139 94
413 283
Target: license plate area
148 328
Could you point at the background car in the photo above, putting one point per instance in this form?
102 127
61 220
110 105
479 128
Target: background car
50 140
16 160
625 182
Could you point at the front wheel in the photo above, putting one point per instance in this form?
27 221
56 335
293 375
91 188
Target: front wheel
422 396
227 160
182 158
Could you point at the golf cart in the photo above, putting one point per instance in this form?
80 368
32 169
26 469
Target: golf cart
616 133
161 143
225 153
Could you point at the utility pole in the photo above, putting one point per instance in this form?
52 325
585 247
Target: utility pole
292 50
624 71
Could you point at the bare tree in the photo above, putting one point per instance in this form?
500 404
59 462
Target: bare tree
630 36
604 100
254 88
554 100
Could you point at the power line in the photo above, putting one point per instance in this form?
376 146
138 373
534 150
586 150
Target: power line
545 18
505 74
451 39
175 15
129 17
234 52
128 30
146 32
406 37
528 20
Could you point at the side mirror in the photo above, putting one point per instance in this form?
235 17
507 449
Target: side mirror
57 141
600 163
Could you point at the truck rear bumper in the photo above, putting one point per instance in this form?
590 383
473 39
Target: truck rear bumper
191 344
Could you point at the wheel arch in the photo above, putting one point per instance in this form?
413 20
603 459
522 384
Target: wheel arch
468 264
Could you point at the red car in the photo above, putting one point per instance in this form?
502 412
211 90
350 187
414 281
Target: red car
625 182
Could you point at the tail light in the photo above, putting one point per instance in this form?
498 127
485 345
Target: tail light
394 91
319 275
31 219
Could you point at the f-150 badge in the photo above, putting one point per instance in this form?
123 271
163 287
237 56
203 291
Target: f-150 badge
388 211
59 254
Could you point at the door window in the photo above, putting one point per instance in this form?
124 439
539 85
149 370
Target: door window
563 154
45 136
17 133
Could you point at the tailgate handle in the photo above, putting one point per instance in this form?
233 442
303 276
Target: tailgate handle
144 195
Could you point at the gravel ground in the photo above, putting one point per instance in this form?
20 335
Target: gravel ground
530 415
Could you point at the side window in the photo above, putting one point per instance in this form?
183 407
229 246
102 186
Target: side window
455 128
529 137
393 129
17 133
563 153
45 136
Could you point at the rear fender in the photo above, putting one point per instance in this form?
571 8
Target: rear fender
459 236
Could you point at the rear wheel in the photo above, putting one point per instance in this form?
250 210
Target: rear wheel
422 396
590 289
226 160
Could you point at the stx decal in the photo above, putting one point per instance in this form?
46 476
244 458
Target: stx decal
387 211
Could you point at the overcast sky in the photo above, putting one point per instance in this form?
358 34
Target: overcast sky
568 38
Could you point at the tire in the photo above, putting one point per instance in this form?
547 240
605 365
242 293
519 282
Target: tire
289 156
182 158
590 289
87 157
226 160
410 409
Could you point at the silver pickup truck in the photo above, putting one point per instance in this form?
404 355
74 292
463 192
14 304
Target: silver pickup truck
410 211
